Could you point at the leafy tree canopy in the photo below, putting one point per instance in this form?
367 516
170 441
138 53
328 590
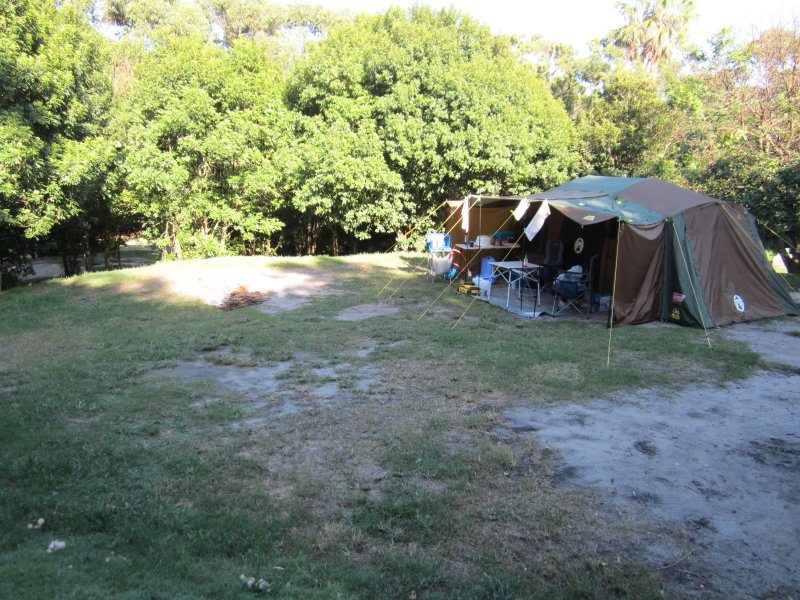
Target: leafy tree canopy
54 93
452 109
204 129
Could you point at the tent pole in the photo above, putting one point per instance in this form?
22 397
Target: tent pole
691 284
613 293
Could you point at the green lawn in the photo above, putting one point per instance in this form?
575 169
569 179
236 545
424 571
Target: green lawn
404 486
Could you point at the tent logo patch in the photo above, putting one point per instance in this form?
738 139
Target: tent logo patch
578 247
738 302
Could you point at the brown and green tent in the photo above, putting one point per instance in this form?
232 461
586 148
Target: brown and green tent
678 255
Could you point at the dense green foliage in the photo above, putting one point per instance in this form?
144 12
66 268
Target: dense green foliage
53 100
205 133
432 107
235 126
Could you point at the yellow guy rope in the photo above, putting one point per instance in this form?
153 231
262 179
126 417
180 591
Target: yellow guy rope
691 284
410 231
449 231
495 269
469 262
613 293
406 234
777 235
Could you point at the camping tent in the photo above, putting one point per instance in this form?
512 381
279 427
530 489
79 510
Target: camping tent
669 253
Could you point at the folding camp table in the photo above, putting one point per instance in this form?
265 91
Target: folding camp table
472 252
513 270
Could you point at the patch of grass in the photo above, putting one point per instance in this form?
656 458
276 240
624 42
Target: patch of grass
793 280
407 513
406 487
139 252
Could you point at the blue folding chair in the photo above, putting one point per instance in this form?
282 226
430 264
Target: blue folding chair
573 290
440 259
438 242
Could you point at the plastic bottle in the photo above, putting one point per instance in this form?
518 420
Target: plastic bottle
525 262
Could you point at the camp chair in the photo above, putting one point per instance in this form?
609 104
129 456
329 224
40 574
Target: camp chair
573 289
437 242
440 255
551 264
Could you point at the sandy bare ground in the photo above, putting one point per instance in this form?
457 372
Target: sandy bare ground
720 467
212 280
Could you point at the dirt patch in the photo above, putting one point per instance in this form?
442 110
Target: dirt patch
268 393
214 280
367 311
776 341
276 304
250 382
720 465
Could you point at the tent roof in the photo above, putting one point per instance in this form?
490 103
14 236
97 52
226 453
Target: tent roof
479 200
638 201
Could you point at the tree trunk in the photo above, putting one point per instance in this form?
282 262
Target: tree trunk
166 239
70 262
334 241
176 243
88 258
312 233
107 252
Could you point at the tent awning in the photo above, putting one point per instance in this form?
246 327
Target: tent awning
476 200
582 216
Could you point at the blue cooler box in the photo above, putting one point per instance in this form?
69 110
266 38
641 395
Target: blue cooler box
602 302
